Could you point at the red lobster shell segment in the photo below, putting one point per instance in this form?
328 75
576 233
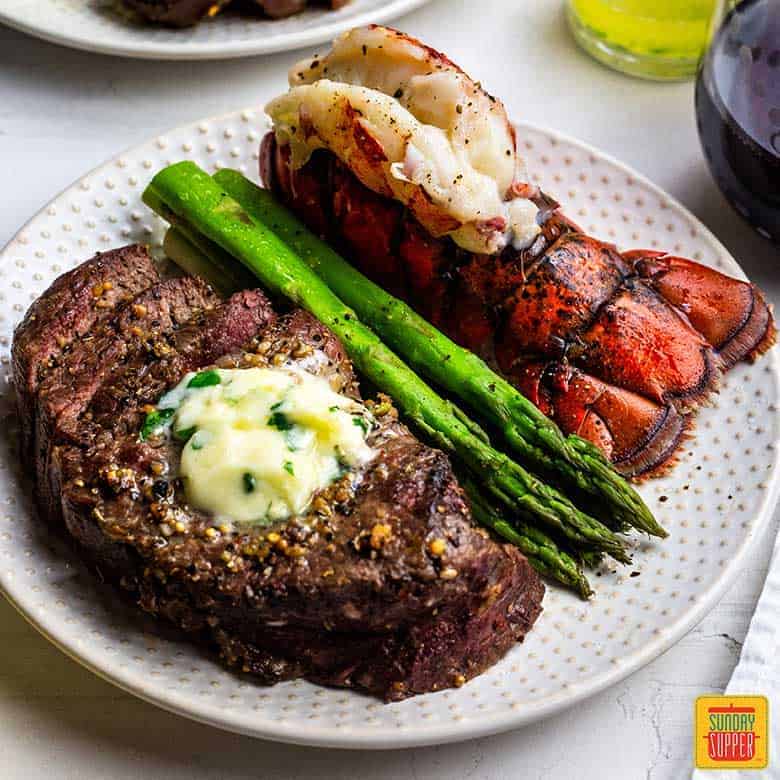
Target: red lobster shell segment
618 348
733 317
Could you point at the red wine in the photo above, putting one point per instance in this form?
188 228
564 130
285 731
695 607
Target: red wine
738 112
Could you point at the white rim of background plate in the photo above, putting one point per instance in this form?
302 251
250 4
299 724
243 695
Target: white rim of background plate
307 733
202 50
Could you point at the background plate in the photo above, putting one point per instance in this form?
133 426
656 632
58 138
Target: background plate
715 502
97 25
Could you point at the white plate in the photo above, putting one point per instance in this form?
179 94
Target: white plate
718 497
96 25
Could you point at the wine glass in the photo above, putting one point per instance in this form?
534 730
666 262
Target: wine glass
738 111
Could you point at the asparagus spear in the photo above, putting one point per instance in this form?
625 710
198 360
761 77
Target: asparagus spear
186 195
542 552
190 259
200 257
527 431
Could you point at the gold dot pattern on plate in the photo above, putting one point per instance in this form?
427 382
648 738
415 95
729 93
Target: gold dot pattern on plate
712 505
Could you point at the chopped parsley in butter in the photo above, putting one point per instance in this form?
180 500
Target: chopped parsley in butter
260 442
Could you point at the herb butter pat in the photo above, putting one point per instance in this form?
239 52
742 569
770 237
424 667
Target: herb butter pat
261 441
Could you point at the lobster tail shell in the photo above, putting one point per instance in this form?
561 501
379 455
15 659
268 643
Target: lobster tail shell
732 315
616 347
581 301
636 434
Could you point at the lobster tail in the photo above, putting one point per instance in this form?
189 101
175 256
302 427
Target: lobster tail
581 301
616 347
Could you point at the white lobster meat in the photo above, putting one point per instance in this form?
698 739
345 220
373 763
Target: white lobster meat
412 126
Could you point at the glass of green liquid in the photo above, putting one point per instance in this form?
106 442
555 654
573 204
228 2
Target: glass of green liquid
655 39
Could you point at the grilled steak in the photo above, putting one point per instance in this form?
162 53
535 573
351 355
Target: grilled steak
185 13
353 594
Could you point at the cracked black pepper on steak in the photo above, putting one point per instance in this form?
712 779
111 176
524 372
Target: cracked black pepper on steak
384 585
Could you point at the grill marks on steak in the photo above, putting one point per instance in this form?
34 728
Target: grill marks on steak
349 595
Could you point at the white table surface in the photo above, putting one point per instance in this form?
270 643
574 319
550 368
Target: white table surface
63 112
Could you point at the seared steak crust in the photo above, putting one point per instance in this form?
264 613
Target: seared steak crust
76 302
137 330
352 594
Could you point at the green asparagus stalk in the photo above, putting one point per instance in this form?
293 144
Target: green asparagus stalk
200 257
191 260
542 552
528 432
590 558
189 198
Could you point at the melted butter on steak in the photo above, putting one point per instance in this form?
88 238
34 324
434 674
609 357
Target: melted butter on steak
258 443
